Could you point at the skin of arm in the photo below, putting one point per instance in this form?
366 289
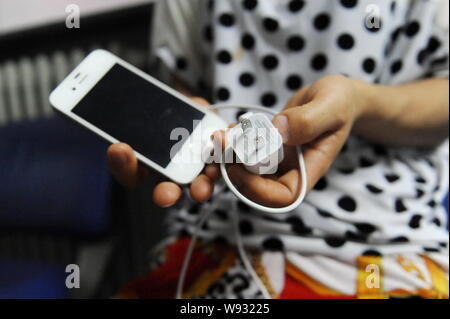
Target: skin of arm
412 114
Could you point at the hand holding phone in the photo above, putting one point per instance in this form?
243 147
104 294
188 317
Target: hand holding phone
126 169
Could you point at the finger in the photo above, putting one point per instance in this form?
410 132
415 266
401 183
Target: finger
124 165
302 124
263 190
212 171
201 188
320 154
200 101
166 194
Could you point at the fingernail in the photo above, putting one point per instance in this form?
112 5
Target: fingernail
281 123
119 160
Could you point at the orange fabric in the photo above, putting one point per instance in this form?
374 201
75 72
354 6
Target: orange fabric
293 289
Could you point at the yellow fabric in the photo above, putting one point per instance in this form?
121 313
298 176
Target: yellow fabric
438 278
205 280
369 283
312 284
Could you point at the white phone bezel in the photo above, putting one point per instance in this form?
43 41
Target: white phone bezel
90 71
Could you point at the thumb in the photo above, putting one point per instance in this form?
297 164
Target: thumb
303 124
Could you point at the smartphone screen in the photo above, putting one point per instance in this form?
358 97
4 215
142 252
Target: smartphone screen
137 112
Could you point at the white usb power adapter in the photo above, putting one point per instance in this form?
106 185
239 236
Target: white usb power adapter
257 143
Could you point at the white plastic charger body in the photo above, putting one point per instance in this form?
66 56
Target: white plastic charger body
257 143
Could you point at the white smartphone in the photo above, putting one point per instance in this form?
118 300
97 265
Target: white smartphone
120 103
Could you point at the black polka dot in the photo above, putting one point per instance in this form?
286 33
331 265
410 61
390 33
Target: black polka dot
396 34
433 44
270 25
222 214
226 19
208 33
393 6
194 209
250 4
355 236
392 178
182 63
431 249
268 99
399 239
319 62
298 226
321 184
245 227
369 65
324 213
419 193
373 189
294 82
396 67
322 21
346 171
421 180
443 244
183 233
349 3
414 222
335 242
365 228
412 29
205 225
223 94
422 56
436 221
295 43
347 203
379 150
273 244
243 207
223 56
364 162
247 79
239 114
372 252
296 5
270 62
439 61
248 41
345 41
400 206
432 203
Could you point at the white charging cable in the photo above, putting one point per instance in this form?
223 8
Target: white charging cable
240 246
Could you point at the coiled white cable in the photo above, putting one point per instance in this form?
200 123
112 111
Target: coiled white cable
270 210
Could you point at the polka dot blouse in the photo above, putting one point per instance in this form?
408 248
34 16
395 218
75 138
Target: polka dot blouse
374 200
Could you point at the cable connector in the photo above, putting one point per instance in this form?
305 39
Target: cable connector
257 143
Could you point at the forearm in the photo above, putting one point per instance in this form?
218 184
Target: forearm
413 114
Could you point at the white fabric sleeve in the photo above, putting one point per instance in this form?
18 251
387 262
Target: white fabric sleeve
175 38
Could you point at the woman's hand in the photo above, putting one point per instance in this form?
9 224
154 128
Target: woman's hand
319 117
126 169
